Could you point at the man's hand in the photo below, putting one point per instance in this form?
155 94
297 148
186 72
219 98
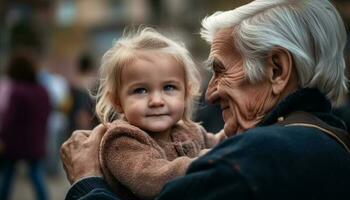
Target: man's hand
79 154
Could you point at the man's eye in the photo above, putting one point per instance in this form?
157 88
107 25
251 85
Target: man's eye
140 91
169 88
218 67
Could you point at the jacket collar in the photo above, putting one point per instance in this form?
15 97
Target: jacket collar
306 99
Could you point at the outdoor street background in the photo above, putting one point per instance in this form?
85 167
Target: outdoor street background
72 35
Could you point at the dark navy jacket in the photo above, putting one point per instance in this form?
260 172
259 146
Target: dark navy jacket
267 162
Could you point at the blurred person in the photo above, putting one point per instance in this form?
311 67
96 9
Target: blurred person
343 111
278 68
4 99
148 82
58 90
27 32
5 87
81 112
24 123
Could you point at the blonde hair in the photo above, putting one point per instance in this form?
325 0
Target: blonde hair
124 52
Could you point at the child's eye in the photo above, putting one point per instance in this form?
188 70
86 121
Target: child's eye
140 91
169 87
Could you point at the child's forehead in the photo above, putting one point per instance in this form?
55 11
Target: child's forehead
147 54
156 67
155 62
156 56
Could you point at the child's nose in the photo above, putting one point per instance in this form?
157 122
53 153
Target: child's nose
156 100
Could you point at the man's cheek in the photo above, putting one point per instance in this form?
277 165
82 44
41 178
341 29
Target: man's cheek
226 115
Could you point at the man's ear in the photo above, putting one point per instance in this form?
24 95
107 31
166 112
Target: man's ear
114 99
280 64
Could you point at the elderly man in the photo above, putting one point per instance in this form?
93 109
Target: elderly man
278 67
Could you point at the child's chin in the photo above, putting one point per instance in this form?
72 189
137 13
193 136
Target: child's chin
158 128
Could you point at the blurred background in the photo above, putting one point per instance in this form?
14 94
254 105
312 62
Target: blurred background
60 43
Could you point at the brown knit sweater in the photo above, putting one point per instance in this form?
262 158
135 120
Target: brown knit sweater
137 166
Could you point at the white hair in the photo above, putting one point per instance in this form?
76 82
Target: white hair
311 30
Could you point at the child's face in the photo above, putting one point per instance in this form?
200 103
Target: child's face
152 93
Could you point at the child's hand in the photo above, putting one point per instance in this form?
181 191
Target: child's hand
221 135
107 125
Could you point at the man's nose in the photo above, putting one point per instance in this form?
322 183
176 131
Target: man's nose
156 99
212 95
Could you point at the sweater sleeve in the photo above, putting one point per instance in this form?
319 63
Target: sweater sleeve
131 157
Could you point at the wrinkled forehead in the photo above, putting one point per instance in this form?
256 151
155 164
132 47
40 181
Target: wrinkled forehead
223 42
223 50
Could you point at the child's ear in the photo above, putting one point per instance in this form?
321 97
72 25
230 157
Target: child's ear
116 103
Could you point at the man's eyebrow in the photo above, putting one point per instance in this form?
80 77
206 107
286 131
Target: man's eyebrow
208 64
214 64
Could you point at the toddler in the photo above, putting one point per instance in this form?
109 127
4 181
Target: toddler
147 88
